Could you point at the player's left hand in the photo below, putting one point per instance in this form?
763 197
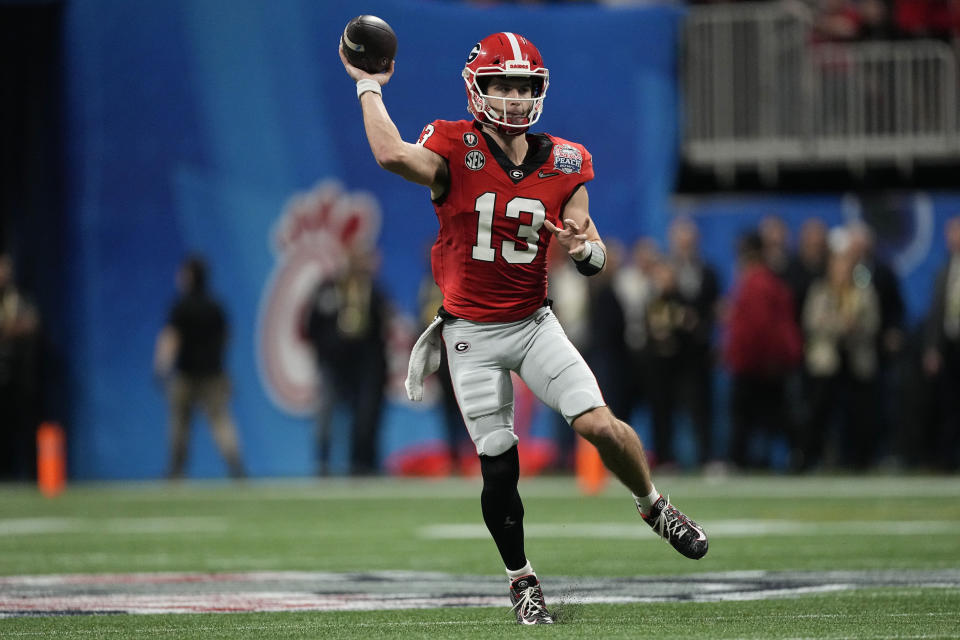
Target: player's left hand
571 237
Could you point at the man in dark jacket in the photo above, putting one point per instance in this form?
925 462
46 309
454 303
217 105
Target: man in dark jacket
189 355
346 325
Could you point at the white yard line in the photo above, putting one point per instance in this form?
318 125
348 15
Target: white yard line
151 525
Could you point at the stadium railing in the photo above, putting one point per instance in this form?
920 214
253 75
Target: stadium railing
760 92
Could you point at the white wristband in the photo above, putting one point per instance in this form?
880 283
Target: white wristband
587 250
592 261
368 84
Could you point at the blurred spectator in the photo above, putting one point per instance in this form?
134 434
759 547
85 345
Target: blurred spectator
666 317
849 20
680 324
941 358
699 288
841 319
928 18
807 264
607 352
763 345
869 267
876 22
836 20
786 265
809 261
633 284
189 357
346 326
775 237
19 383
459 445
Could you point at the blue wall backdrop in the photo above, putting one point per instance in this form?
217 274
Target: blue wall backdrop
192 123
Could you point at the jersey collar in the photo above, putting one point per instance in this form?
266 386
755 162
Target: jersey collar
539 148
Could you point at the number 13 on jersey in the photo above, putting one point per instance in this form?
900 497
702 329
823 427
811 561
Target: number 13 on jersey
510 250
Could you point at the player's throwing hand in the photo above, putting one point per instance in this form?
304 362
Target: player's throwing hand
356 73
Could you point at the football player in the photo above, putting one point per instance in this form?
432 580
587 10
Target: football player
501 194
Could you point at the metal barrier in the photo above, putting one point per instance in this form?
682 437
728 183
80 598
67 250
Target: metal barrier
759 92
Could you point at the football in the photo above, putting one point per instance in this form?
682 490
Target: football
369 43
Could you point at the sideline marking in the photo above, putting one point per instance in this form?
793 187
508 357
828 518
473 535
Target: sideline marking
275 591
716 528
155 525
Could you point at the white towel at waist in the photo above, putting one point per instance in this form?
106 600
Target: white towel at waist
424 359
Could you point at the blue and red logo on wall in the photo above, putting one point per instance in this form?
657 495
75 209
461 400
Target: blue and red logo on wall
311 240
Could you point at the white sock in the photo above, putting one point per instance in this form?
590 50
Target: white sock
644 503
526 570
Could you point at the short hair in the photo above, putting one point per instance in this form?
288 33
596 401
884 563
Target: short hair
750 245
196 266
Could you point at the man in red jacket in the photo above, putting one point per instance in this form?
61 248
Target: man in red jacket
763 345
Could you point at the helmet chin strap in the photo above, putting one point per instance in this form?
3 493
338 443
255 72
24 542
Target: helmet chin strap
494 119
512 131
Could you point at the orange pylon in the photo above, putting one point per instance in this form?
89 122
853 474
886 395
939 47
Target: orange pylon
591 474
51 459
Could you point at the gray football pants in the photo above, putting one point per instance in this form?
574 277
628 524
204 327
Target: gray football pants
482 355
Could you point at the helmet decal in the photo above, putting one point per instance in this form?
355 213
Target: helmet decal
473 53
512 39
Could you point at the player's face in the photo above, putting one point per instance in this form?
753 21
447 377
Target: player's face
512 98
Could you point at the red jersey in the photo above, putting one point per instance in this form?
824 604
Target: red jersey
490 257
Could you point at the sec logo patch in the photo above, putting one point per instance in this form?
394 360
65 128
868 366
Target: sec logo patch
475 160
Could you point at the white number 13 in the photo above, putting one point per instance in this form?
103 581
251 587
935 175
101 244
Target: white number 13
484 249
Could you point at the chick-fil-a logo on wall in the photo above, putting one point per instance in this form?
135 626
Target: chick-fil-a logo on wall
316 231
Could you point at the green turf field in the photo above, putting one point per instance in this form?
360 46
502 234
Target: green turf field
890 526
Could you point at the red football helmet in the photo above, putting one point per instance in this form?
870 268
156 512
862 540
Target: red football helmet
504 54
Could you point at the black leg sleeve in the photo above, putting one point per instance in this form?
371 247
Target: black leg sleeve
502 508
